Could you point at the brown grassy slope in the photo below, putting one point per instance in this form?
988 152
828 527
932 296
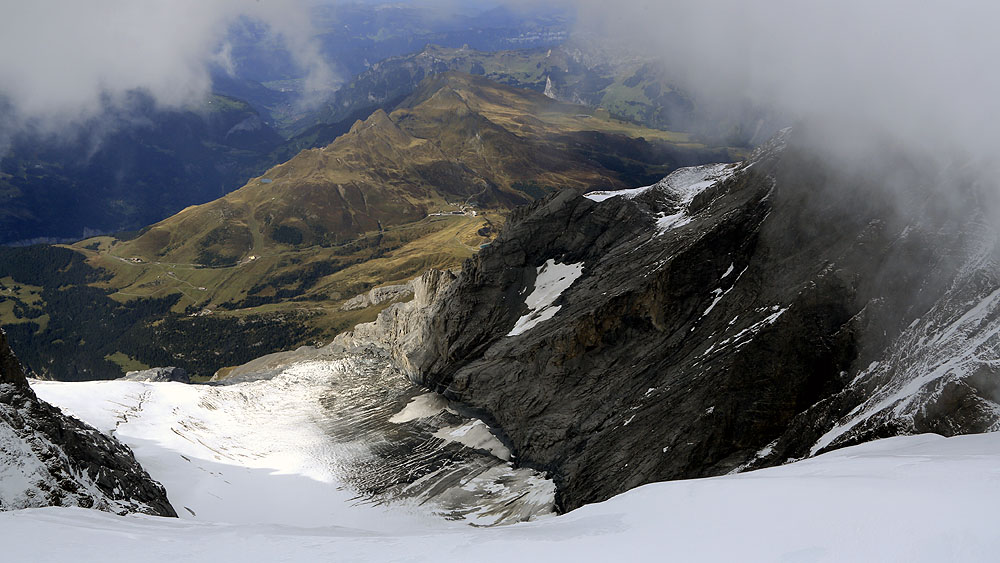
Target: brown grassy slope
459 139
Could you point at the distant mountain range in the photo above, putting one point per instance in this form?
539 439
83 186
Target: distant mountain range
136 164
630 89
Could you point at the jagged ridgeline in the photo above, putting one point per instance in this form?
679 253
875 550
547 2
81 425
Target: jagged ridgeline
267 267
729 317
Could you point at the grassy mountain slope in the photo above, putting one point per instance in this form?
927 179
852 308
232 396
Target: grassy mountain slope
458 140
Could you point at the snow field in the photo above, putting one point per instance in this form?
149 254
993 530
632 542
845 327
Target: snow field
922 498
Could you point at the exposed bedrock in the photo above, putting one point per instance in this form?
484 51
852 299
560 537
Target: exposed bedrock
728 317
153 375
50 459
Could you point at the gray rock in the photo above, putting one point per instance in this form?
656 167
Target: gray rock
158 375
403 328
799 309
56 460
377 296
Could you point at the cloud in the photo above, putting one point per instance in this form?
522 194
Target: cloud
61 60
920 75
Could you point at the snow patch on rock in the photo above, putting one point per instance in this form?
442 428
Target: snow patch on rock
551 281
421 406
475 434
681 187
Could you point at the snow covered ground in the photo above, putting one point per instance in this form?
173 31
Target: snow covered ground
922 498
331 442
268 468
246 454
680 187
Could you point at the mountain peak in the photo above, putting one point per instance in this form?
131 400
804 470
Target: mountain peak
380 125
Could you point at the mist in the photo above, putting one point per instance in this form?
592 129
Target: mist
914 76
861 75
64 61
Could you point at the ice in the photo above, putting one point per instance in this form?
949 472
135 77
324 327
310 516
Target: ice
552 280
316 442
421 406
248 453
477 435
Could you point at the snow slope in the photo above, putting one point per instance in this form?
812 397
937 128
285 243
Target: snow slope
325 442
680 188
922 498
247 454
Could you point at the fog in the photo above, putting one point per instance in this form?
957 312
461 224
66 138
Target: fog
919 77
61 61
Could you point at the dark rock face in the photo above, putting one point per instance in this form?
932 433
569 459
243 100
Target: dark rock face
719 326
153 375
50 459
10 369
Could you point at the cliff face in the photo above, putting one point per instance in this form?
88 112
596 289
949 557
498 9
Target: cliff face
403 329
729 317
50 459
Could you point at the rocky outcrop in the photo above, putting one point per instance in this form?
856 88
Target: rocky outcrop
377 296
11 372
50 459
152 375
725 318
403 329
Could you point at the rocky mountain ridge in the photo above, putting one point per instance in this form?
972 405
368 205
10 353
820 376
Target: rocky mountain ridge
50 459
726 318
